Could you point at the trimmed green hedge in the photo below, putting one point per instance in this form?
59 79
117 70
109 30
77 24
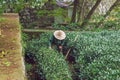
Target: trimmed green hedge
53 65
50 65
99 55
33 45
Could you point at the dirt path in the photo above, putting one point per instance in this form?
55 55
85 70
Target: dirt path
11 60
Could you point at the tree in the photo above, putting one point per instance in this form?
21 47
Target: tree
80 12
90 13
73 19
108 12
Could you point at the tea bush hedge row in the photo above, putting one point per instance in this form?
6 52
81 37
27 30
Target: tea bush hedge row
53 65
99 55
50 65
33 45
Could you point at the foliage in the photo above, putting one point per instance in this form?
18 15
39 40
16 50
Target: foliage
55 12
16 6
2 19
9 5
48 8
99 57
113 21
71 26
52 64
33 45
57 26
49 63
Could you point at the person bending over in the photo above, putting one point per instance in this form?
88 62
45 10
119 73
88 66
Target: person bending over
57 40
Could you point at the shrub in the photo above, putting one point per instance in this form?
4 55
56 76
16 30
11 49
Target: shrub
50 65
99 57
53 65
33 46
71 26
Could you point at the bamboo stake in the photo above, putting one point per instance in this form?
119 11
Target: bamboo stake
70 48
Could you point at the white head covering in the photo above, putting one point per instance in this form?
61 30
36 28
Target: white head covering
59 34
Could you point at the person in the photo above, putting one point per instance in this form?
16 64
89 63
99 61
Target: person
57 40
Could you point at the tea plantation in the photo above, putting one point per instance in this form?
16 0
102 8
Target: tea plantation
96 54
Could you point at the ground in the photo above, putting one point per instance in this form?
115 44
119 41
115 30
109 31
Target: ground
11 60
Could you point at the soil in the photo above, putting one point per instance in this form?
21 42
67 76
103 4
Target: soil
11 61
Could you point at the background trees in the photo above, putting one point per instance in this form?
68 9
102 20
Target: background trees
82 12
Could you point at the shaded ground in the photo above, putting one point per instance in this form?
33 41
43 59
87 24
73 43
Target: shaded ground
11 61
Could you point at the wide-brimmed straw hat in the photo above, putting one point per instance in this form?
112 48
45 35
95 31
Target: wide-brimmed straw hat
59 34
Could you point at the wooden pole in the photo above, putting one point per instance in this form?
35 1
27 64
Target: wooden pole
70 48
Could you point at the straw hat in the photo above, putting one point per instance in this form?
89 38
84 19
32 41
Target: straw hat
59 34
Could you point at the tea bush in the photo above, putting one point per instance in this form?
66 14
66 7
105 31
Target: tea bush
50 65
33 45
99 57
53 65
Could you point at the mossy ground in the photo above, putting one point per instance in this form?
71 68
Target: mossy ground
11 67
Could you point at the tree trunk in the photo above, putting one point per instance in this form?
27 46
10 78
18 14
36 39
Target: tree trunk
90 13
73 18
108 12
80 10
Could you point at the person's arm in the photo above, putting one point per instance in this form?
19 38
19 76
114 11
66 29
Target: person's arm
61 46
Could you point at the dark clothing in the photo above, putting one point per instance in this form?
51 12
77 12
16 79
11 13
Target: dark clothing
54 41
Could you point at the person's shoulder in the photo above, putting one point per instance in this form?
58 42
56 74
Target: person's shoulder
51 37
